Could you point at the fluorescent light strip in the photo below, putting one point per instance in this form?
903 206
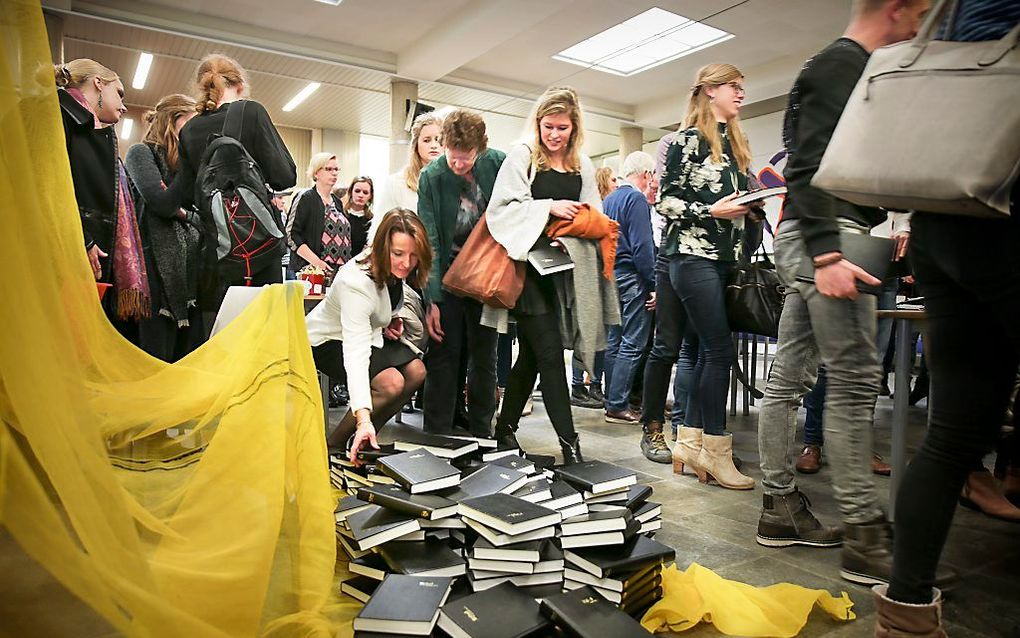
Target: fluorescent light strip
142 71
126 127
301 96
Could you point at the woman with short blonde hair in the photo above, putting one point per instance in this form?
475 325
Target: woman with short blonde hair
318 231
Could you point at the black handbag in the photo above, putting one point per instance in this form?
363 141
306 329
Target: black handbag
754 297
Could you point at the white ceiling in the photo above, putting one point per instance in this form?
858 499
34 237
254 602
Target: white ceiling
489 55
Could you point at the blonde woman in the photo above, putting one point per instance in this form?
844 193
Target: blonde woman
170 234
706 166
606 181
401 188
91 100
545 180
317 230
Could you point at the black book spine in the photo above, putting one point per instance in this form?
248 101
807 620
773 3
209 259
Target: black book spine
390 472
395 503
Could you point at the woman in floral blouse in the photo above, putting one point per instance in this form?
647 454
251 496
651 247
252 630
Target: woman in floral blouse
706 166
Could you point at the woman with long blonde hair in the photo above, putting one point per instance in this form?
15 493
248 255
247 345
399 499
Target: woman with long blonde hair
706 166
169 233
400 190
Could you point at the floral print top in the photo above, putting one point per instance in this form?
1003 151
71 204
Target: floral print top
691 183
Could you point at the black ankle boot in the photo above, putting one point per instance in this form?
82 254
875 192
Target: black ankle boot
786 520
506 438
571 450
867 556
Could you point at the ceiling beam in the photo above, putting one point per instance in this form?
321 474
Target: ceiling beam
471 32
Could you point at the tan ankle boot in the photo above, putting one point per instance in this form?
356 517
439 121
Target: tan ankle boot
686 450
716 461
982 494
902 620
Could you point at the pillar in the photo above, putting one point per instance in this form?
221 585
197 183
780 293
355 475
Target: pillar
400 92
631 139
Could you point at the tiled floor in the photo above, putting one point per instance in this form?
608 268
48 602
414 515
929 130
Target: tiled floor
706 524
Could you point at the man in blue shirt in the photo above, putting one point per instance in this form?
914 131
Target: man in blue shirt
635 283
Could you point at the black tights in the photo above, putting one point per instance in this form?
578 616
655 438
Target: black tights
540 354
969 272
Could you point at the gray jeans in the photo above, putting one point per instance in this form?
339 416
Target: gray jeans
840 333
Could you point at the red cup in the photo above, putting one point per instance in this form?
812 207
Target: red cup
102 289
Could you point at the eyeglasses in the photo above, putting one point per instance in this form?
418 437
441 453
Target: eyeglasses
329 169
737 87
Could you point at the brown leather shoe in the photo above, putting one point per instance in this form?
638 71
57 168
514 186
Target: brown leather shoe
981 493
810 459
622 416
879 466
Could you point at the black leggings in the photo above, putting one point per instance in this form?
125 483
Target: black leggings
968 270
540 354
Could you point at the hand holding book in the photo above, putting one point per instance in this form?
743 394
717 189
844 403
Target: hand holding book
364 434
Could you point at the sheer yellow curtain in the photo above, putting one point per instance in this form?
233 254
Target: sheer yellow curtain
176 500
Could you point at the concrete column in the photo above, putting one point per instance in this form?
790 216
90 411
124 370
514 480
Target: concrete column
631 139
400 92
55 32
346 145
316 140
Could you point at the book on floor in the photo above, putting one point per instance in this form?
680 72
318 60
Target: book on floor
449 522
371 565
508 514
481 584
648 511
639 592
609 519
603 562
535 491
615 497
395 497
550 559
419 471
571 510
637 608
349 548
404 605
360 587
499 539
509 566
423 558
530 551
349 505
597 477
636 496
495 453
617 584
502 611
515 462
650 526
490 479
484 442
377 525
407 438
597 539
544 578
562 495
584 612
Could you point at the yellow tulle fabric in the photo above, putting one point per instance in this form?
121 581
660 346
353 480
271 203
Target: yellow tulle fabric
175 500
700 595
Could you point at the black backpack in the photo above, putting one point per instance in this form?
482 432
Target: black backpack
235 204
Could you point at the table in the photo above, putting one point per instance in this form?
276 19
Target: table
901 395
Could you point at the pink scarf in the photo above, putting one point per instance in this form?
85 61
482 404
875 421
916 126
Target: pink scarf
130 280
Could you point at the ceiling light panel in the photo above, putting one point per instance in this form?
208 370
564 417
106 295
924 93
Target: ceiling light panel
645 41
301 96
126 126
142 71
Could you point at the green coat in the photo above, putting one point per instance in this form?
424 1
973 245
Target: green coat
439 191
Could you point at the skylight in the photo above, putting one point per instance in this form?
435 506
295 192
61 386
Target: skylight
645 41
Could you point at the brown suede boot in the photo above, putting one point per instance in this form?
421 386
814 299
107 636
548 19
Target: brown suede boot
982 494
686 450
901 620
716 462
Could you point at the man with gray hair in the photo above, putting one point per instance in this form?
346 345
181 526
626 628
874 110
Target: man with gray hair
635 284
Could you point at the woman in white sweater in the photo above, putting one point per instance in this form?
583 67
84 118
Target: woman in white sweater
400 190
356 335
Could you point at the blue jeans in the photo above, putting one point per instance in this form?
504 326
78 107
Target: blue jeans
577 370
690 291
626 341
814 400
682 378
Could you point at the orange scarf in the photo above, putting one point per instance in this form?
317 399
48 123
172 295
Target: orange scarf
591 223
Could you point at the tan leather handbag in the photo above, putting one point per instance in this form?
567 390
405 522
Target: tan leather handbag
483 271
931 126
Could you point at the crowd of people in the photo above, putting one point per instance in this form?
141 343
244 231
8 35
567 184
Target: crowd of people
645 293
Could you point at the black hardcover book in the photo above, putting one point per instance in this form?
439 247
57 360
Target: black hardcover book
515 462
636 496
584 613
496 453
648 511
372 455
872 254
396 498
563 495
420 471
619 584
637 608
756 195
597 477
535 491
602 562
429 557
508 514
360 587
596 539
530 551
406 438
349 505
378 525
610 519
371 565
404 605
547 259
500 540
490 479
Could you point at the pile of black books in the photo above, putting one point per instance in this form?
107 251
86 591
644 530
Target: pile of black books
473 541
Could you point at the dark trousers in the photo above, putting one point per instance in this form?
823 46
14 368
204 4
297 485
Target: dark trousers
160 336
540 353
968 270
461 321
690 291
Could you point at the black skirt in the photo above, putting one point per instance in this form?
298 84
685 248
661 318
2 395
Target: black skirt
329 359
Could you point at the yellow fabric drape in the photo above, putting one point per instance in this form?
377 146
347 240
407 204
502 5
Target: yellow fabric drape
699 594
176 500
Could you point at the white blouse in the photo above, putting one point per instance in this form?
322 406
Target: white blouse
393 194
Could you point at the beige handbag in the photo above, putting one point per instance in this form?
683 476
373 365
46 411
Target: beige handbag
931 126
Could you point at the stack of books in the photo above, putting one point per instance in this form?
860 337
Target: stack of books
600 482
629 575
583 612
524 564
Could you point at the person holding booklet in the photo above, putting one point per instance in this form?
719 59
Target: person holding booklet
706 168
355 333
545 180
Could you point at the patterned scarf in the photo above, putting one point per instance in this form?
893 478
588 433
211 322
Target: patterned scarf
130 280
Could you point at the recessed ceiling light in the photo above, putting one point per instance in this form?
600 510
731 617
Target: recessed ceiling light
645 41
142 71
125 128
301 96
332 2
